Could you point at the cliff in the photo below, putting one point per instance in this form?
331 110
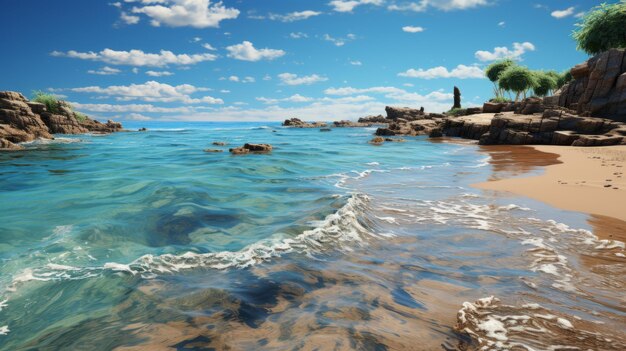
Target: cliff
598 88
22 120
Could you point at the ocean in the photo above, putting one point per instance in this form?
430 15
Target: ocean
143 241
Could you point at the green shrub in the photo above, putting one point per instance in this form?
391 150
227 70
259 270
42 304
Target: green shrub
500 99
564 78
602 28
80 117
545 83
51 101
456 112
517 79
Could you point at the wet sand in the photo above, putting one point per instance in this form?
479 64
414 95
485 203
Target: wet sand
589 180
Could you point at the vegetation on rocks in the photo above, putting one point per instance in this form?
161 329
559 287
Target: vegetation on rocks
545 83
494 71
602 28
53 104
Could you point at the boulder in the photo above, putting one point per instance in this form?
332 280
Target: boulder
7 145
377 140
219 143
213 150
254 148
298 123
63 124
530 106
493 107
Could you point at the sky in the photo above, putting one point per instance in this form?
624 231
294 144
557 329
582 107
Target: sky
268 60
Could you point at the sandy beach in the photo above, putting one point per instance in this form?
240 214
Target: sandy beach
589 180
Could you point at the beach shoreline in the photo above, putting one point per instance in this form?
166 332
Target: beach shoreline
589 180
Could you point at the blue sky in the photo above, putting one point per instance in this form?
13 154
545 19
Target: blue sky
273 59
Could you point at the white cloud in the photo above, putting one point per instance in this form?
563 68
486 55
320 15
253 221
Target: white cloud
433 101
225 91
412 29
105 71
151 91
293 98
196 39
445 5
267 77
129 19
294 16
139 108
136 117
137 57
293 79
339 41
186 13
349 5
236 79
159 73
563 13
503 52
501 24
208 47
460 71
247 52
356 63
298 35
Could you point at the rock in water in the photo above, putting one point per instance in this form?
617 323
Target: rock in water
457 98
248 148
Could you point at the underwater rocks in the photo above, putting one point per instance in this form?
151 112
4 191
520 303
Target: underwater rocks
251 148
22 120
598 88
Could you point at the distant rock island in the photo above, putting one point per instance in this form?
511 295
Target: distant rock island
22 120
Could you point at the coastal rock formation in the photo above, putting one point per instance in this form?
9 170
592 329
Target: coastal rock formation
554 127
251 148
298 123
598 88
457 98
406 113
380 119
22 120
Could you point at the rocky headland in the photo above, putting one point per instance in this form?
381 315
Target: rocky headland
22 120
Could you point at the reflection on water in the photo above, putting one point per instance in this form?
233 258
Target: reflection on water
511 161
343 246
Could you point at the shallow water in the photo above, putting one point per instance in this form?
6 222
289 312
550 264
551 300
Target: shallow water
143 241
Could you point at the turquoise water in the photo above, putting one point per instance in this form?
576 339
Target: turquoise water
142 240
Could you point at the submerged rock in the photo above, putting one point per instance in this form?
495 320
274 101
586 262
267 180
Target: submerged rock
298 123
213 150
377 141
251 148
219 143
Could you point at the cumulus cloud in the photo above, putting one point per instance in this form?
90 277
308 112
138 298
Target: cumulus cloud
339 41
185 13
298 35
129 19
236 79
105 71
294 79
294 16
412 29
503 52
159 73
356 63
137 57
433 101
247 52
293 98
445 5
349 5
138 108
460 71
136 117
209 47
563 13
151 91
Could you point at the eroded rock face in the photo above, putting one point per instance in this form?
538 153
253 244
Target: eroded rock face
598 88
22 120
373 119
409 114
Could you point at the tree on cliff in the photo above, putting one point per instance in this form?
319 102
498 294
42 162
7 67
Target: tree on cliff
603 28
545 82
517 79
494 71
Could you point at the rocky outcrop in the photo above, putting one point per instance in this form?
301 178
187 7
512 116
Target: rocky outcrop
298 123
251 148
380 119
22 120
406 113
554 127
598 88
457 98
410 128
